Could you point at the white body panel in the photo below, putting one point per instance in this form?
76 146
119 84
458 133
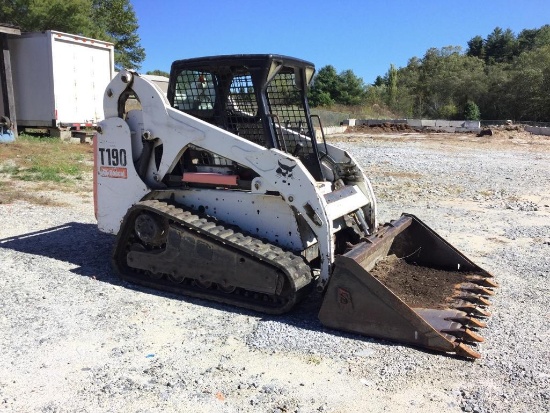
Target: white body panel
117 185
254 213
59 79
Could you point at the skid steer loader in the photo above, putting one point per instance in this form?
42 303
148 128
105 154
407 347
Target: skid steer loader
224 191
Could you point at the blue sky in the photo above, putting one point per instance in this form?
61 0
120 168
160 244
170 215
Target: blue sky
364 36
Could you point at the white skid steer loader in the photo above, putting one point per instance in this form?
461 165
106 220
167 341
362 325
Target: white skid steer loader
223 191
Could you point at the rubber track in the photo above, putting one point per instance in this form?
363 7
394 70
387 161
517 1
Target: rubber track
291 265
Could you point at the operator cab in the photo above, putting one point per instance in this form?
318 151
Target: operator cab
261 98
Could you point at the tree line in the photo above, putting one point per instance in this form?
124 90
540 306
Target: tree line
502 76
110 20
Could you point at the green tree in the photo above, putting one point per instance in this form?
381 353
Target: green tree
329 88
410 94
71 16
529 86
439 84
109 20
471 111
158 72
476 47
494 103
500 46
351 89
379 81
448 111
530 39
392 86
116 20
325 87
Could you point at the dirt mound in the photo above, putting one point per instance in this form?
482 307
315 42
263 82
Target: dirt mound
382 128
501 130
418 286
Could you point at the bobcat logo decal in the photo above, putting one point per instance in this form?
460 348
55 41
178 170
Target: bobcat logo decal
285 171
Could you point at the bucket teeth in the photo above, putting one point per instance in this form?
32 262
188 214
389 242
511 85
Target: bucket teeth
466 351
473 298
482 281
476 289
465 334
472 310
469 322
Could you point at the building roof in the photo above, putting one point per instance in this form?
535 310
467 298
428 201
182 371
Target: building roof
9 29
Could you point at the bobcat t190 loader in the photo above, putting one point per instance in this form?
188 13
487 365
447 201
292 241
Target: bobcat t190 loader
223 191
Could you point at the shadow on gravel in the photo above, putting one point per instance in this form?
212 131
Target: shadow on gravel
308 334
90 250
74 242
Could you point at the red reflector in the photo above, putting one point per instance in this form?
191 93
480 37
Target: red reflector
210 178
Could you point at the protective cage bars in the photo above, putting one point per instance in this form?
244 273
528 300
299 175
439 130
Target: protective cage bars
196 93
230 98
242 110
289 115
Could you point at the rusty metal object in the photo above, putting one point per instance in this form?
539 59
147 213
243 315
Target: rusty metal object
438 304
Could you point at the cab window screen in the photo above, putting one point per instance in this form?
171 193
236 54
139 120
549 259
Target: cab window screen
195 92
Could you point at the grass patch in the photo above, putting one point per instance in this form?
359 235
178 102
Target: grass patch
333 115
34 159
403 174
10 192
33 164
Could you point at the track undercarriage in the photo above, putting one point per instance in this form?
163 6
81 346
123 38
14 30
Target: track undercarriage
166 247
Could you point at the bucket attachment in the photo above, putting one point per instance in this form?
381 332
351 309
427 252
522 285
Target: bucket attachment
407 284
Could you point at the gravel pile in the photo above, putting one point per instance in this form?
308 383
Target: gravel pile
77 339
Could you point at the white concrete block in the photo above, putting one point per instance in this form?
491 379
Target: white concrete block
376 122
472 124
456 123
537 130
442 123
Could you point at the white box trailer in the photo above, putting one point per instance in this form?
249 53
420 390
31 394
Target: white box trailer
59 79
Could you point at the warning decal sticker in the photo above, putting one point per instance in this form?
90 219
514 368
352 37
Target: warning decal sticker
113 172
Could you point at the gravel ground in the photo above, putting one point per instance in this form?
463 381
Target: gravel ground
76 339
